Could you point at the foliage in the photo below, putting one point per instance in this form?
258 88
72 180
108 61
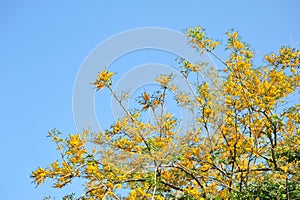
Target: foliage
243 141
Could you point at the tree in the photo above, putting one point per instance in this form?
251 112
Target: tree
243 142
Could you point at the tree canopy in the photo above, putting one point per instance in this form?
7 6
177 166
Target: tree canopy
243 141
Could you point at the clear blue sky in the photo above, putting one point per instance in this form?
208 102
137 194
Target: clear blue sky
43 44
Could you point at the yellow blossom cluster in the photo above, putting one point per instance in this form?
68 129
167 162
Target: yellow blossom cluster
103 79
199 40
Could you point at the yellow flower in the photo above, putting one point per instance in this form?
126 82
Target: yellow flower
146 96
40 175
75 141
285 168
164 80
105 75
103 79
90 169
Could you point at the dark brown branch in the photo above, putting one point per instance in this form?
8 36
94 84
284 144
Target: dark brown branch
191 174
253 170
131 180
172 186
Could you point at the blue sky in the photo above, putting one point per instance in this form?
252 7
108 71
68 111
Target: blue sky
44 43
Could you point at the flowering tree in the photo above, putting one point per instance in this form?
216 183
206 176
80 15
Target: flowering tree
243 141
